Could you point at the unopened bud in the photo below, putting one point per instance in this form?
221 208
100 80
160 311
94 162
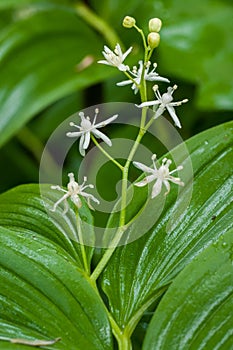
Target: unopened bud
153 40
155 25
128 22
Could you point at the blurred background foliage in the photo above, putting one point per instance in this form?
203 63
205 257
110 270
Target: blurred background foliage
48 69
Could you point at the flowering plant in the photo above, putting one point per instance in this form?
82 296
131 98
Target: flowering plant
161 256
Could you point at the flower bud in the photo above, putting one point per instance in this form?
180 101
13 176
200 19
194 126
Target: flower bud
155 25
153 40
128 22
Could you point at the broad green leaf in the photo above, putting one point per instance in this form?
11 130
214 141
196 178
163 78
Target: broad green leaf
44 295
40 56
195 313
139 272
22 208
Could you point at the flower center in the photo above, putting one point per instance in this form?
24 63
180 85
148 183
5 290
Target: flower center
86 124
167 98
163 172
73 187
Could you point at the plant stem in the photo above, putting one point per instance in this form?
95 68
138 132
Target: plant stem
123 338
132 79
122 226
142 35
108 253
107 154
97 23
82 246
124 343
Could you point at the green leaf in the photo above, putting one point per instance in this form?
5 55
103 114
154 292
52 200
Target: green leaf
195 311
139 272
196 45
44 295
22 208
40 56
41 269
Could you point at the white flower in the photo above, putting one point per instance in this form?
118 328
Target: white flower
137 75
115 58
86 128
165 102
74 190
161 176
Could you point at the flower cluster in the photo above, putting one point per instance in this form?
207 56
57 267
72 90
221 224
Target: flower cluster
137 76
88 130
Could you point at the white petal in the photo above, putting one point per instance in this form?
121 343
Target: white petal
156 77
172 113
167 185
81 142
105 122
76 200
63 198
122 67
124 82
143 167
106 49
141 183
102 136
104 62
118 50
175 180
126 53
156 188
145 181
90 196
74 134
87 138
159 111
148 103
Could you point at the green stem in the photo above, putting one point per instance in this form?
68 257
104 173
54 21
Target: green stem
126 169
150 54
132 79
122 226
123 338
150 122
107 255
124 343
81 242
142 35
106 153
97 23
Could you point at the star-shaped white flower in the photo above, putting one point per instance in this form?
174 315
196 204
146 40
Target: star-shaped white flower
115 58
165 102
74 191
86 128
160 175
137 76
